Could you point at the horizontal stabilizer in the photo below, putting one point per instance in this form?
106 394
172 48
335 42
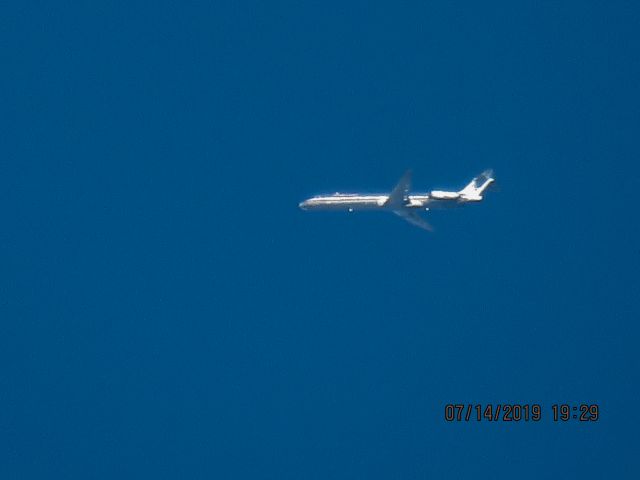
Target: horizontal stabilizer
478 185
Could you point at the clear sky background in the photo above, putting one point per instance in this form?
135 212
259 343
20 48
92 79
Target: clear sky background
167 311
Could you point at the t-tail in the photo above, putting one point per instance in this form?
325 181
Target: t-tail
473 191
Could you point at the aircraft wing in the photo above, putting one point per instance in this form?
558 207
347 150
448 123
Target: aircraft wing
414 219
398 195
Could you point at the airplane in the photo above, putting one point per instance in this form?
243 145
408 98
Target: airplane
400 202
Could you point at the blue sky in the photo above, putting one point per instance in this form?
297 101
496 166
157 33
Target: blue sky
167 311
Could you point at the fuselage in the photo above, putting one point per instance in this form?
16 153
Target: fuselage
400 202
354 201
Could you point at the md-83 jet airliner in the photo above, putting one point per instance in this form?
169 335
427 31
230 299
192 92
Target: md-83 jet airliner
400 202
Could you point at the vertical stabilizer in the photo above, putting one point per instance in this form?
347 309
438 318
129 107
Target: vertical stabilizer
473 191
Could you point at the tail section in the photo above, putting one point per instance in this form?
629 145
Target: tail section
479 184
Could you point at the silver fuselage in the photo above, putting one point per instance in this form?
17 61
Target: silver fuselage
400 202
354 201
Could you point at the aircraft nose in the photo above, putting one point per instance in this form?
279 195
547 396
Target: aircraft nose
303 205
